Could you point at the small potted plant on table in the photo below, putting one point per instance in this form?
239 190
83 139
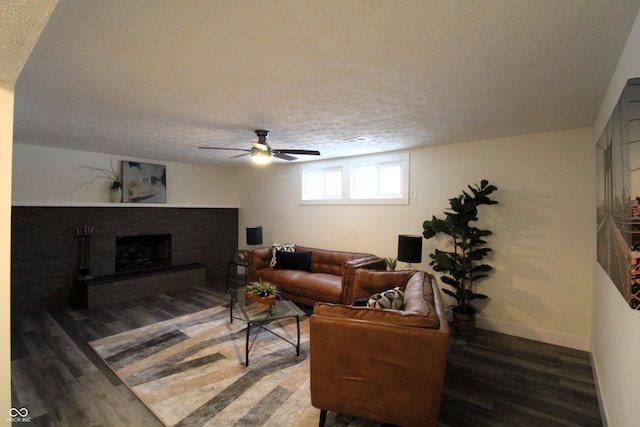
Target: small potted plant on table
262 292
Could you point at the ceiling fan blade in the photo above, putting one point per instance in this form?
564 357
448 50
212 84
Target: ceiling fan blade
302 152
239 155
221 148
282 156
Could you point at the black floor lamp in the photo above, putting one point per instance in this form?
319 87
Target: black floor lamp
409 250
254 238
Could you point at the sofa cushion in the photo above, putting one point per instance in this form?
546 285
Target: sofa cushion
283 247
293 261
389 299
318 286
281 278
330 262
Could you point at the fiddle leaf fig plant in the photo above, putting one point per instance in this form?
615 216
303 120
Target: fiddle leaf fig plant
463 262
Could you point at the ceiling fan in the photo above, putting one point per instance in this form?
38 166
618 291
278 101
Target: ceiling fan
261 152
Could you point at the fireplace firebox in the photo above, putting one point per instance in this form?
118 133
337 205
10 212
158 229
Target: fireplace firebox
143 252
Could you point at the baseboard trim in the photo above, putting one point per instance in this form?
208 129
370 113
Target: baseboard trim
542 335
601 404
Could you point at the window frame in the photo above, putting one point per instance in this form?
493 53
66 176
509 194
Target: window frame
347 165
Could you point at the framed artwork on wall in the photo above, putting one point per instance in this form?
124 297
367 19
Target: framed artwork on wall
618 195
144 182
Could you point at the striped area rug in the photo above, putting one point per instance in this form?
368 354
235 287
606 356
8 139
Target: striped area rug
190 371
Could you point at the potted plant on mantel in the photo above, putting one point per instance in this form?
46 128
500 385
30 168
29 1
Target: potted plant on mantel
115 191
464 262
262 292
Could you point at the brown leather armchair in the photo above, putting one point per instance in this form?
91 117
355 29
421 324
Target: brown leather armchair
381 365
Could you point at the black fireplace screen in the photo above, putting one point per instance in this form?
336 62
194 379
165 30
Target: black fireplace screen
143 252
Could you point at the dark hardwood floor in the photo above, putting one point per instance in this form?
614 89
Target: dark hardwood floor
492 379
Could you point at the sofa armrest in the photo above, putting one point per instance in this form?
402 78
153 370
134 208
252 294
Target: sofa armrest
348 272
258 258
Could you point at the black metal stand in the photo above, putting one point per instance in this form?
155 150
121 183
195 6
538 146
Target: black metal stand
83 235
261 326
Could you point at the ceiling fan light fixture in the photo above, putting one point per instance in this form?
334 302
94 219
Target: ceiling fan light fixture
261 157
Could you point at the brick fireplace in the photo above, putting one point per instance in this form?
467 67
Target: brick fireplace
44 250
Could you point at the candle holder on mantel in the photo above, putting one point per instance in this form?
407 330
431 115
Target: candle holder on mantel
83 236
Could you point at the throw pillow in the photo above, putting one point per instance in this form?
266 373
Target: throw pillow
293 261
283 247
392 298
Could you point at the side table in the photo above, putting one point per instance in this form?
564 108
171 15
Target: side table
237 264
259 315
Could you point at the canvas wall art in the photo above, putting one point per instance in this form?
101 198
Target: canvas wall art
618 195
144 183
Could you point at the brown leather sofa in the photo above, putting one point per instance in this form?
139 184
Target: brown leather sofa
327 278
380 364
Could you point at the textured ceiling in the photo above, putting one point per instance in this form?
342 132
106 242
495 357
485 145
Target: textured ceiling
156 79
21 22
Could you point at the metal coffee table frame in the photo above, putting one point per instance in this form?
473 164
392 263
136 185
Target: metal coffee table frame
256 314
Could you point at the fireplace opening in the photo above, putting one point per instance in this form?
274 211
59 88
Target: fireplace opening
143 252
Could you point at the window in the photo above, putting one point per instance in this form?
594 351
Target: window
376 179
322 184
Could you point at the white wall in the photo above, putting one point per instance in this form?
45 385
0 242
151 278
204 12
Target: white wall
616 328
54 176
542 226
6 138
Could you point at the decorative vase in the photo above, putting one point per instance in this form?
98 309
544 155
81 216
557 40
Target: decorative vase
115 192
464 324
271 299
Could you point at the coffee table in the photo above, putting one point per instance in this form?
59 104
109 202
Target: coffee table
257 314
